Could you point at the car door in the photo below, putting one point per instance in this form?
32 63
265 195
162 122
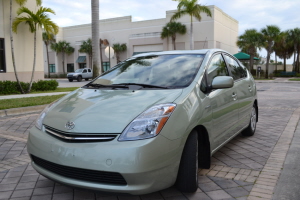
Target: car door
244 89
90 73
224 103
84 73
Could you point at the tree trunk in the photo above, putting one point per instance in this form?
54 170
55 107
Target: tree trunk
95 35
173 42
251 63
275 62
12 50
34 58
63 62
267 65
101 63
48 60
90 61
284 63
298 64
191 35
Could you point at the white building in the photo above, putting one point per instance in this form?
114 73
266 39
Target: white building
218 31
23 46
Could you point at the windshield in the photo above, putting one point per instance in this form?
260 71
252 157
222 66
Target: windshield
171 71
78 70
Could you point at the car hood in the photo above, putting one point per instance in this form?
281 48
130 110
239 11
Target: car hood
104 111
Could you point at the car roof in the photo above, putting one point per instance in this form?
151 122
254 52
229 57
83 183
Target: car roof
201 51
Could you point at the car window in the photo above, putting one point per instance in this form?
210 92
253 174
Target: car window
84 71
216 67
237 71
78 71
89 70
174 71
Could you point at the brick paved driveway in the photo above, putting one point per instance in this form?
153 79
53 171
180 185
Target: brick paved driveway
236 167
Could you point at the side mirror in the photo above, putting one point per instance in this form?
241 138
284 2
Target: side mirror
221 82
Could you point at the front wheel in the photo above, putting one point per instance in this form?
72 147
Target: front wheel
70 80
187 177
250 130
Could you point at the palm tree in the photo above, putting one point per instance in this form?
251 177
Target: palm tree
193 9
62 47
283 47
119 48
21 3
270 33
86 47
95 37
48 38
171 29
37 20
294 35
251 40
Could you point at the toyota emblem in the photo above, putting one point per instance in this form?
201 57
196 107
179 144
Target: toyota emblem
70 125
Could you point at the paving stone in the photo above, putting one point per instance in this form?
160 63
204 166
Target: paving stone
63 196
43 191
218 194
7 187
22 193
152 196
197 196
237 192
5 194
206 187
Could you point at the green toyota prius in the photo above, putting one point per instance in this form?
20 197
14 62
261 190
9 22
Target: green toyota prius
146 124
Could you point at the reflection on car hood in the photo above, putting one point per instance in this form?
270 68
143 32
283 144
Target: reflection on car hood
104 111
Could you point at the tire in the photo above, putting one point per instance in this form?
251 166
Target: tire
79 78
187 177
70 80
86 79
250 130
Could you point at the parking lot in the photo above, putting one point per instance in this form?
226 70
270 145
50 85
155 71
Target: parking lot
245 168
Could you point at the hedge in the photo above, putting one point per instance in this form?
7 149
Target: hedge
11 87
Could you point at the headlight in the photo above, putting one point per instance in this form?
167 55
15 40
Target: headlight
40 119
149 123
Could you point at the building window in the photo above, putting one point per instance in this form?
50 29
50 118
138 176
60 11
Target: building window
52 68
70 67
105 66
82 65
2 56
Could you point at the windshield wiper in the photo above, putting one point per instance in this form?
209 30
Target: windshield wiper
105 86
144 85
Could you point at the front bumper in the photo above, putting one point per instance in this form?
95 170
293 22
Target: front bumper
146 165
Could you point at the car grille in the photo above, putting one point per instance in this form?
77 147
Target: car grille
79 137
81 174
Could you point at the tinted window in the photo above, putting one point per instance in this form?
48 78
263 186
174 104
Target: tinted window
217 67
84 71
89 70
237 71
161 70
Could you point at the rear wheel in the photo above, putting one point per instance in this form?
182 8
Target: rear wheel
250 130
187 177
86 79
79 78
70 80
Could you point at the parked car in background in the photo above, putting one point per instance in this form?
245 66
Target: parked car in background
80 74
146 124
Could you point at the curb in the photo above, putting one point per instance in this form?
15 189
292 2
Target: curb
21 110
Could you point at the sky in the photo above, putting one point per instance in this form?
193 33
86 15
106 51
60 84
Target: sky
250 13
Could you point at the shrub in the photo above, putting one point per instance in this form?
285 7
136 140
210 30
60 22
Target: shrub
11 87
